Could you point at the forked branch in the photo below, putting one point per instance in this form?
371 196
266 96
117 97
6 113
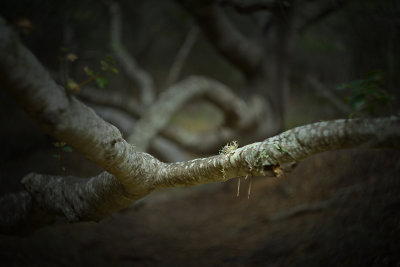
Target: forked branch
131 175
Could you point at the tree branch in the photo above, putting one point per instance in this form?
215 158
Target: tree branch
203 143
78 199
61 114
237 114
160 147
251 116
131 175
181 56
113 99
81 199
130 66
236 48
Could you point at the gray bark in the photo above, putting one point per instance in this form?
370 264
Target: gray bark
238 114
130 175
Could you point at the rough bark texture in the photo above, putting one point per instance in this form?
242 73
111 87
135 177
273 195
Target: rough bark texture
130 175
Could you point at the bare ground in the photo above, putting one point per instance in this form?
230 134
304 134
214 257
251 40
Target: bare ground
347 214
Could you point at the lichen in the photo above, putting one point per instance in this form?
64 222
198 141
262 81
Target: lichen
264 155
223 173
229 148
132 147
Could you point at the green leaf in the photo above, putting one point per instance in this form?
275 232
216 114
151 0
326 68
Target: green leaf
104 65
67 149
110 59
351 85
101 81
376 76
113 69
57 156
357 84
357 101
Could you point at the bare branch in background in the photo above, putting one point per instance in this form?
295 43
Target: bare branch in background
211 141
168 151
130 175
119 110
202 143
324 92
129 64
161 147
114 99
183 53
237 114
242 52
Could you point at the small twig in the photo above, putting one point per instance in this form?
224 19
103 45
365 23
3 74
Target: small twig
181 56
238 187
249 190
128 63
90 79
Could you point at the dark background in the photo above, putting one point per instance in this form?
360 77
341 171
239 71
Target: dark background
208 225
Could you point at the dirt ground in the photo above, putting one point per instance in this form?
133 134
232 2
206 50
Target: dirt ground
336 209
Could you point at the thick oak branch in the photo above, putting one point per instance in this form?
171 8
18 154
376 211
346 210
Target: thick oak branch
131 175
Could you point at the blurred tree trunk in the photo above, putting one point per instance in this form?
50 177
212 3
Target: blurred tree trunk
265 60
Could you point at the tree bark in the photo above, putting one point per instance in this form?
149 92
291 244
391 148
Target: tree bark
130 175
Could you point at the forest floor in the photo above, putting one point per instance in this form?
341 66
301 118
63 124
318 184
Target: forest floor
338 208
